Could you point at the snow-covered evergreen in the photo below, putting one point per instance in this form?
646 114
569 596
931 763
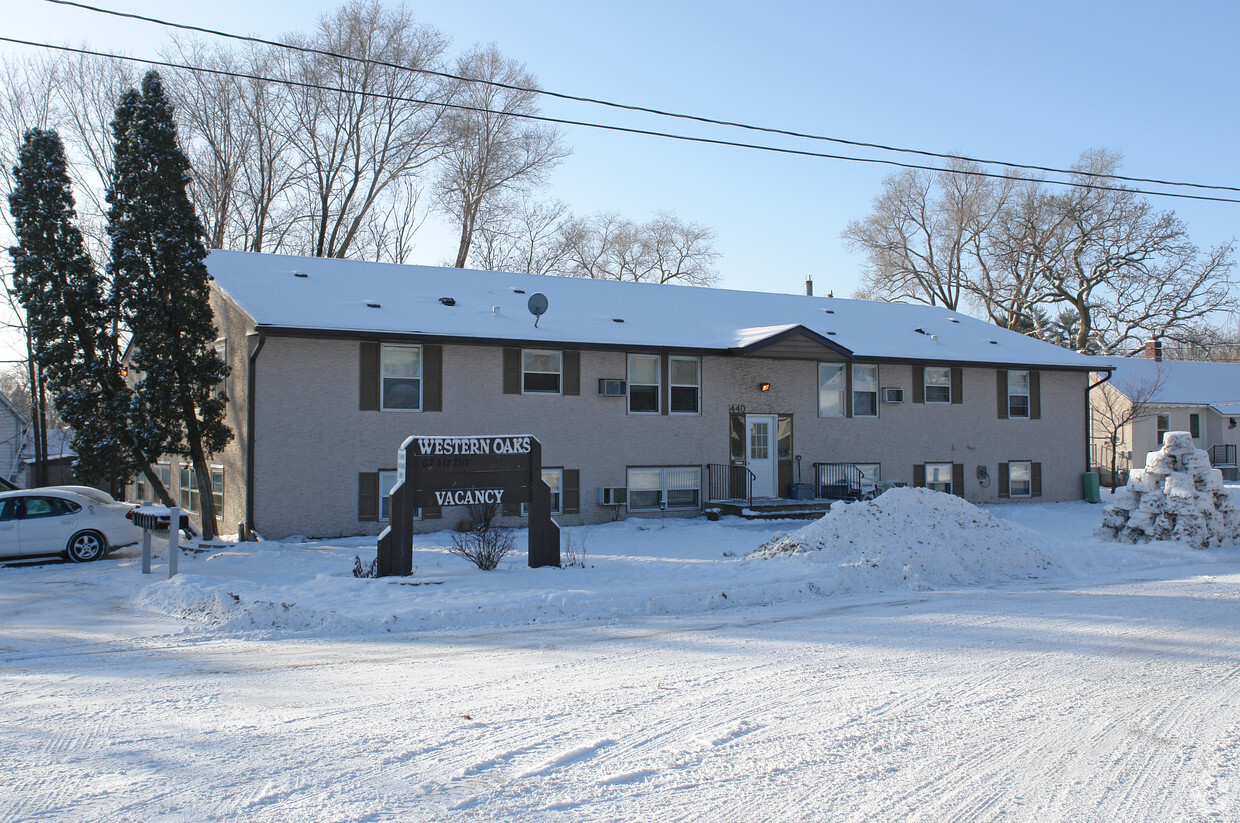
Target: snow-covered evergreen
62 293
160 287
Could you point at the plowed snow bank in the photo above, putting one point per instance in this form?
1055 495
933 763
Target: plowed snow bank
919 539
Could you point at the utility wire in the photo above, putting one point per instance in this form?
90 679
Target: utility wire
628 107
619 129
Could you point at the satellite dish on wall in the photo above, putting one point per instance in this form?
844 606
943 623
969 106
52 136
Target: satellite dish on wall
538 306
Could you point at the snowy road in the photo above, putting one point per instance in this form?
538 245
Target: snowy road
1115 699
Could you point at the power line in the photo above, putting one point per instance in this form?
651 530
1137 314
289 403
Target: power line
635 108
619 129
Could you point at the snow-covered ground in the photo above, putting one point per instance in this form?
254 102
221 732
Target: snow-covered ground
912 659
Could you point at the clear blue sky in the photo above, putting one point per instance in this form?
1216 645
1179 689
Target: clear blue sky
1031 83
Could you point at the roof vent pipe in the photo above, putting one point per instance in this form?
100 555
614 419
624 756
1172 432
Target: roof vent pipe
809 286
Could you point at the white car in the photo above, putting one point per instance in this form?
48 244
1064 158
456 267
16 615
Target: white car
75 521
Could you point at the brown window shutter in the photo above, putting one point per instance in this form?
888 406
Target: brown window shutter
848 390
1003 480
432 378
572 373
958 479
664 388
1035 396
1035 477
512 371
957 386
919 476
368 495
368 393
919 384
1001 387
572 491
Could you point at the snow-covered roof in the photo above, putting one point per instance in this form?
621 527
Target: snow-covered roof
59 445
351 296
1184 382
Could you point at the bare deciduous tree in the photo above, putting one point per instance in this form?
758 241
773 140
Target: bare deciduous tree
356 144
1115 406
665 250
490 151
522 236
925 239
1020 251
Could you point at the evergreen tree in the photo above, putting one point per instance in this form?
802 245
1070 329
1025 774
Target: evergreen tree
67 319
160 288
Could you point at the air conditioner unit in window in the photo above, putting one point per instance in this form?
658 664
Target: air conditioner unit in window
893 395
612 495
611 388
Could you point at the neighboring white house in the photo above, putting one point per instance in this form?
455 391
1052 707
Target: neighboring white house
15 433
1200 398
60 459
644 397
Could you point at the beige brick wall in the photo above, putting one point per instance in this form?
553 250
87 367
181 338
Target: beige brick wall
312 441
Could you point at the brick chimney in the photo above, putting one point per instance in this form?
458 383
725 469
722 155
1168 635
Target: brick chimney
809 287
1153 349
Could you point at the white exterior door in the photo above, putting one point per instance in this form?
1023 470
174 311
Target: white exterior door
760 434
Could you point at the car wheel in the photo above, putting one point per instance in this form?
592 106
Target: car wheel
86 546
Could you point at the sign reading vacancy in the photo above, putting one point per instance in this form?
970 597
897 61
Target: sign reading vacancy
461 471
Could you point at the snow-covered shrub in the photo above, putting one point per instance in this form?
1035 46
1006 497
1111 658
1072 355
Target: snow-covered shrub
575 550
486 544
1178 496
361 569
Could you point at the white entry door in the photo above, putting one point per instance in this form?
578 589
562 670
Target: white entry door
760 452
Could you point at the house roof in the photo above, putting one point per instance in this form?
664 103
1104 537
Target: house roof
1185 382
322 295
59 446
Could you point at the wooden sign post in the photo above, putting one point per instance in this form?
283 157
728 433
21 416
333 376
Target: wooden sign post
459 471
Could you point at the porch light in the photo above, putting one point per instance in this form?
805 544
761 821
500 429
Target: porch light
764 387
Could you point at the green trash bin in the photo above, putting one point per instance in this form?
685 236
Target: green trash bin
1092 494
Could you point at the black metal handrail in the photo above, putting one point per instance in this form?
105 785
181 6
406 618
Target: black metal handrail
840 481
1223 454
730 482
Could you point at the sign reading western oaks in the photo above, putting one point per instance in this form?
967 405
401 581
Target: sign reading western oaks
463 471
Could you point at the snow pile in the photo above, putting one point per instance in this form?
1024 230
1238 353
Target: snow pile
1177 497
918 539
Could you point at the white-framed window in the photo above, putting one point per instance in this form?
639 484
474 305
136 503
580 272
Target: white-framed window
164 472
938 388
387 479
644 383
1018 393
387 482
1194 425
541 371
684 385
401 378
554 478
865 391
221 351
939 477
1164 426
832 386
1020 479
188 495
677 487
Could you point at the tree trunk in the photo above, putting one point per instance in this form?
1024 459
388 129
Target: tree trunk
202 472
